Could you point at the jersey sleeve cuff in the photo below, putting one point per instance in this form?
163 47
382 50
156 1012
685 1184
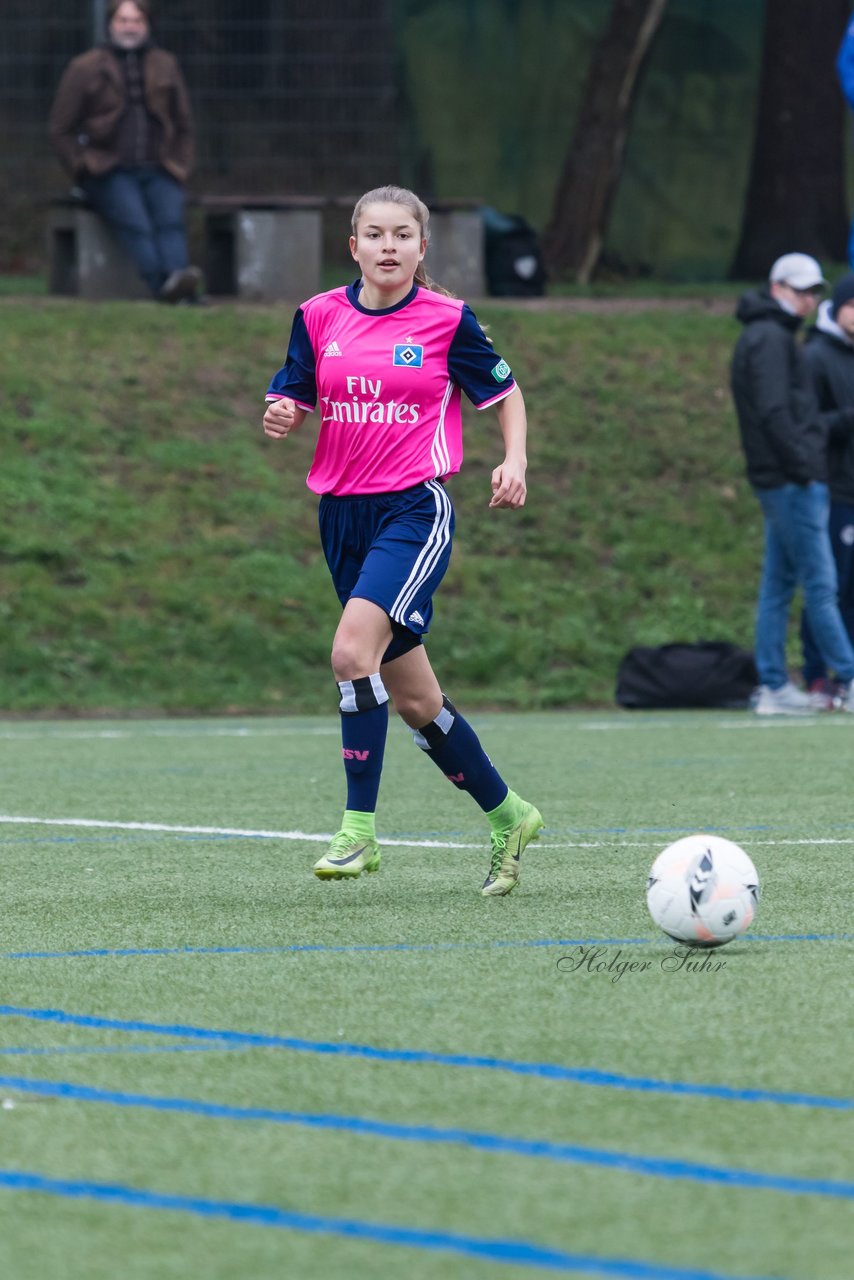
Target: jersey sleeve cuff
502 395
272 396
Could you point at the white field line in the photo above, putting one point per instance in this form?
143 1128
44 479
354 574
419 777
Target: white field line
753 722
316 837
615 724
137 735
322 837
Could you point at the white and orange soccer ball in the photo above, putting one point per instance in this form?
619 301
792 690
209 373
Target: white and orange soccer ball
702 891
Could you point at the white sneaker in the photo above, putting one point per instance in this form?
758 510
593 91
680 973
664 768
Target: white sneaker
788 700
846 697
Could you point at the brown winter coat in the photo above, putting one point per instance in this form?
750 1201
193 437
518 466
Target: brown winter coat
90 101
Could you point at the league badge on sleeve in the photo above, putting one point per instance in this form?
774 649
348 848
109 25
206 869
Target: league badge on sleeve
501 371
408 354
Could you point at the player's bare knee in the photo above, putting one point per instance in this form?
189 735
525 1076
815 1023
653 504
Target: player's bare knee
342 660
416 709
407 709
350 658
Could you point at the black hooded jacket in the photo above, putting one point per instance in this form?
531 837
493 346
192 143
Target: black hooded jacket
830 356
782 432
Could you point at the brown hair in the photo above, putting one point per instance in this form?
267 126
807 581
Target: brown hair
409 200
144 7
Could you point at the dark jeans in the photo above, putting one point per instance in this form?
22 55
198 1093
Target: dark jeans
797 551
145 207
842 541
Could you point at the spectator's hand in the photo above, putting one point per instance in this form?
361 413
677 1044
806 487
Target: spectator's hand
280 418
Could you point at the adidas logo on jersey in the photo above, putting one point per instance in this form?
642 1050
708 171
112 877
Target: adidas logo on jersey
416 617
333 350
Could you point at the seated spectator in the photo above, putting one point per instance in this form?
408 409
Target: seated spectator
122 127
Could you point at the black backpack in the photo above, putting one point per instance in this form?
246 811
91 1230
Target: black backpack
514 259
713 673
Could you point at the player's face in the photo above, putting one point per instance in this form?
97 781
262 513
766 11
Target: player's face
388 246
128 26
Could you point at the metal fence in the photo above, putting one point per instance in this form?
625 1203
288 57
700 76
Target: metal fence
288 95
458 98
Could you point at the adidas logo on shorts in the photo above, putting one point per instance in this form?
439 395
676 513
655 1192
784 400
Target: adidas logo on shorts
416 617
333 350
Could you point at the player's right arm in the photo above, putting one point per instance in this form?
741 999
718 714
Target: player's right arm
292 393
282 417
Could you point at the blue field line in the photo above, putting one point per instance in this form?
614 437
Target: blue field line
506 1252
90 953
542 1070
62 1051
567 1153
321 947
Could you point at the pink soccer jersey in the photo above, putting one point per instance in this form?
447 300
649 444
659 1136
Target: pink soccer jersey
389 384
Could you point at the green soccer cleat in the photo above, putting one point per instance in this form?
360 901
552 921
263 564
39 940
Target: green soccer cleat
507 847
347 857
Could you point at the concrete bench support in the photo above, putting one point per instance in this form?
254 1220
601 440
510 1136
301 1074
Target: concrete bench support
85 260
264 250
456 254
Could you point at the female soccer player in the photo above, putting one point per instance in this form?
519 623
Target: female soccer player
387 357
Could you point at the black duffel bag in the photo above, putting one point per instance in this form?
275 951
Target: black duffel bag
514 258
713 673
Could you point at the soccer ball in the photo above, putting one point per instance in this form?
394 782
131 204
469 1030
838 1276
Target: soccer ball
702 891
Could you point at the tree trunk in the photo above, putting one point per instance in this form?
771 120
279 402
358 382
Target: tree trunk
796 192
591 172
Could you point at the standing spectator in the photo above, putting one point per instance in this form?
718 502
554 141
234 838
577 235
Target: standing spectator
784 441
845 71
830 354
122 127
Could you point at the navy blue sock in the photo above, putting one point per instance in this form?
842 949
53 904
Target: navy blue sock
364 726
452 744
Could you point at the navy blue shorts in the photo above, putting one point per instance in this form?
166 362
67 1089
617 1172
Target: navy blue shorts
392 549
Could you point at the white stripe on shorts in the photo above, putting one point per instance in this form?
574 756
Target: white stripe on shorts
434 547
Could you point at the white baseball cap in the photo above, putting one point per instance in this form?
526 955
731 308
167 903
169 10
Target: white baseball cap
798 270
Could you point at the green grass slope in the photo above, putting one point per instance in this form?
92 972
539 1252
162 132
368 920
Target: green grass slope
156 552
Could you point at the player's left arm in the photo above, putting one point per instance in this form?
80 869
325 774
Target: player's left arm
508 480
488 382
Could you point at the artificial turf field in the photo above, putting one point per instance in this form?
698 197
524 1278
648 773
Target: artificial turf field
212 1064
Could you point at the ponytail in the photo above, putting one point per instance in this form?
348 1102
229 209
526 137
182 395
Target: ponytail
427 282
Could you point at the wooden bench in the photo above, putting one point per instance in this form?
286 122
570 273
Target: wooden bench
263 248
259 249
85 260
256 248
